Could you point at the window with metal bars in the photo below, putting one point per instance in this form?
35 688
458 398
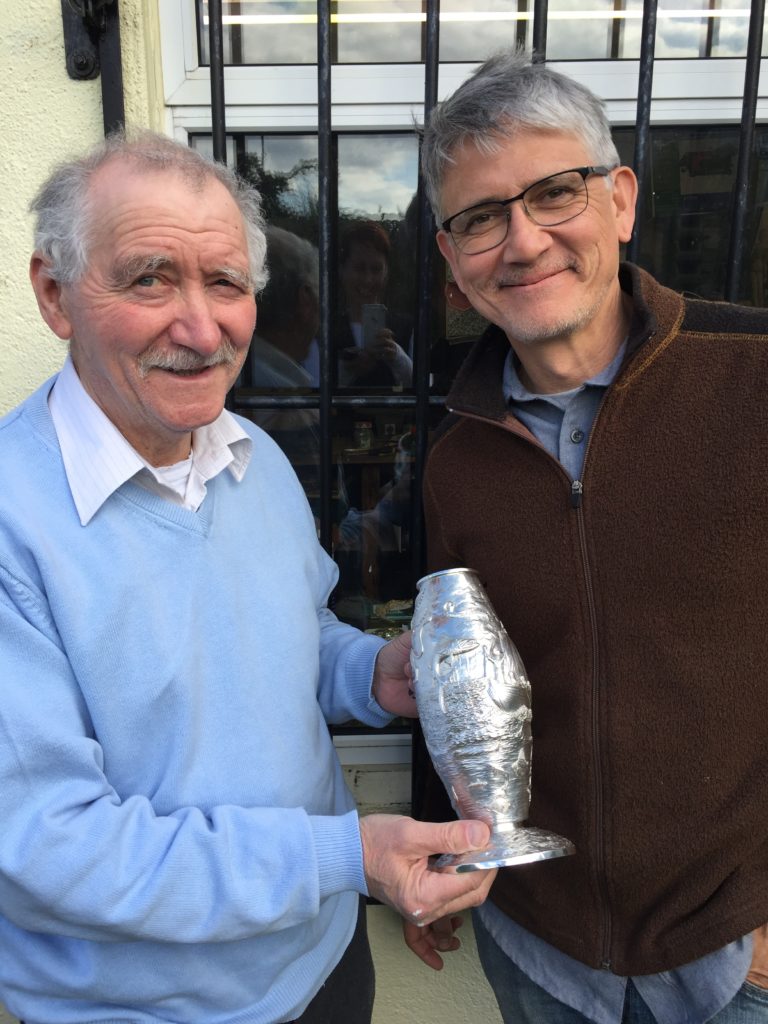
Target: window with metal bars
391 31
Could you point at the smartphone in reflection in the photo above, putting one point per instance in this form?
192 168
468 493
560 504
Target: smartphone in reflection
374 318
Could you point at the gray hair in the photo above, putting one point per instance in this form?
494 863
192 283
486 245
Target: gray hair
506 94
293 262
65 214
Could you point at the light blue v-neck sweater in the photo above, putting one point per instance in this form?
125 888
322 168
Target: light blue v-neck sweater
177 840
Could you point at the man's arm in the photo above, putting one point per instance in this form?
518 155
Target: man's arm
80 858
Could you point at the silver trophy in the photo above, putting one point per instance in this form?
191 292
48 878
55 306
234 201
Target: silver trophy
474 704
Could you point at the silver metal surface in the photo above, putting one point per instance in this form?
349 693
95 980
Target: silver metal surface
474 702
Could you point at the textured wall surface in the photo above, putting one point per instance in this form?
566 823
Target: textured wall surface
408 992
45 117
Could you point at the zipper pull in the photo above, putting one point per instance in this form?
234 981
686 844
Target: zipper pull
577 489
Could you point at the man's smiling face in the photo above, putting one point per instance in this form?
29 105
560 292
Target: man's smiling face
161 321
542 283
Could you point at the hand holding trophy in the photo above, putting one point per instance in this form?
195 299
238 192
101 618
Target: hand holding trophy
474 704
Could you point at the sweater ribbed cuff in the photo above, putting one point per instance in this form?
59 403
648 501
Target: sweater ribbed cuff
339 853
360 662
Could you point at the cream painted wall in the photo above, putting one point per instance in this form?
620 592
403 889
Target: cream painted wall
45 117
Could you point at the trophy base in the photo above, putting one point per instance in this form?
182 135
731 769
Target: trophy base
507 849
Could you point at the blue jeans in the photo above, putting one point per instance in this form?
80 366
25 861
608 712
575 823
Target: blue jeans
522 1001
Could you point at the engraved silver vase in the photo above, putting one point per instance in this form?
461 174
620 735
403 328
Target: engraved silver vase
474 702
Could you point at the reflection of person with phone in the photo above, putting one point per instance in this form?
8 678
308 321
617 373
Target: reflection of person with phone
372 343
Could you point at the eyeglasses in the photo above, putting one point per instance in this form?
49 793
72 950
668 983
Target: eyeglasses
549 202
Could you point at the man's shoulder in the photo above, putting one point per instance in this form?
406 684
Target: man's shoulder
29 421
9 420
267 456
716 323
730 320
259 437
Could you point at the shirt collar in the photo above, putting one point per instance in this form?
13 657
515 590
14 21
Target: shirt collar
515 390
98 459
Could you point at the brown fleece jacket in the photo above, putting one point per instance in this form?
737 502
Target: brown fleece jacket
639 607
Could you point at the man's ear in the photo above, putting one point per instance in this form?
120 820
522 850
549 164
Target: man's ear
448 250
48 294
624 199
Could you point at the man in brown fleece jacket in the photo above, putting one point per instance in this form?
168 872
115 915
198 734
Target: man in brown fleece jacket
603 469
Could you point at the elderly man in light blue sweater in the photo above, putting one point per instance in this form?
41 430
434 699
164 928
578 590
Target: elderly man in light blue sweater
178 842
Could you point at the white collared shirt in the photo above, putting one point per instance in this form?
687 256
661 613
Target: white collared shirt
98 459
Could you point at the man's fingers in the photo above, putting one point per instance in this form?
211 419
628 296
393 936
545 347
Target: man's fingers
443 932
475 893
424 942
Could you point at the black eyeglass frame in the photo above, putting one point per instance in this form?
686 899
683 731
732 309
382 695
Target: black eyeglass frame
585 172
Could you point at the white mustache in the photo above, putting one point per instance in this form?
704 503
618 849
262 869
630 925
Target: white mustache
185 358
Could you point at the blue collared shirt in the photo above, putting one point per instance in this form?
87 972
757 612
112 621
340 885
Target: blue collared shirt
691 994
563 421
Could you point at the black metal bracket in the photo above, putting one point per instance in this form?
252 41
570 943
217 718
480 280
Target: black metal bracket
84 23
92 47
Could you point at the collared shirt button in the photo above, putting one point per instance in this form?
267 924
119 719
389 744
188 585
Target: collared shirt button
577 436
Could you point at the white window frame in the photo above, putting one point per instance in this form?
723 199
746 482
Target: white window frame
391 96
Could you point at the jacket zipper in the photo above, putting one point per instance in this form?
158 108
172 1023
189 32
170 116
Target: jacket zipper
576 495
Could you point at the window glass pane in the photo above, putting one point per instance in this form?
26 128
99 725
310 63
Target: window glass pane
284 170
611 29
582 31
691 28
688 210
376 288
378 31
391 31
373 456
472 30
729 33
263 32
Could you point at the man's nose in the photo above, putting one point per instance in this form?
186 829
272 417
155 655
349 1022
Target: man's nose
525 239
195 325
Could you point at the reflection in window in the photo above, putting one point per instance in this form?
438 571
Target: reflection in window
378 31
373 455
375 284
687 211
263 32
475 31
597 30
373 326
390 31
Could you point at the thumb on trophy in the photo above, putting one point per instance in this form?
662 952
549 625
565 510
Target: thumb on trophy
463 836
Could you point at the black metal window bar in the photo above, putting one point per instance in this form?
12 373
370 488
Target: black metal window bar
91 31
92 48
420 399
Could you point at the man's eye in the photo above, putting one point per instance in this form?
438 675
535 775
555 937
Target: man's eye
480 220
228 283
146 280
555 195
